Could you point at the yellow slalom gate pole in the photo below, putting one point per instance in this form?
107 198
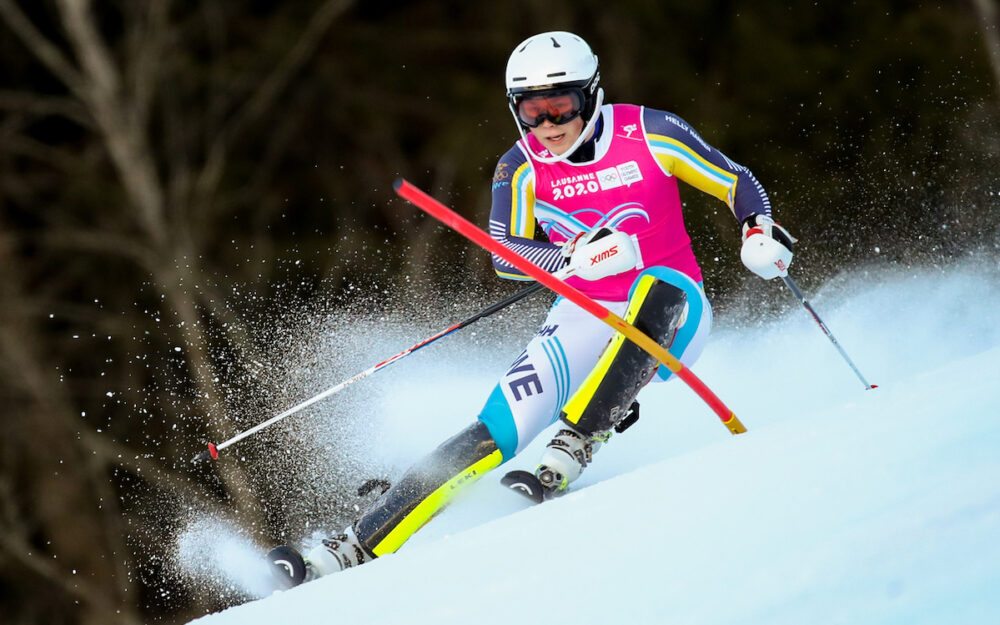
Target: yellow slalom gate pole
470 231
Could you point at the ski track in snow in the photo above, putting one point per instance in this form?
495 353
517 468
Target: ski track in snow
840 505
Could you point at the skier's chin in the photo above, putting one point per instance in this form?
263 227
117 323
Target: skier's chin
556 144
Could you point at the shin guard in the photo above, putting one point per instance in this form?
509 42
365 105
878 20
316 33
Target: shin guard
426 488
624 368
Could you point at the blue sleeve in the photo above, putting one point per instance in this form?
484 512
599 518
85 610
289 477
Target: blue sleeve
683 153
512 221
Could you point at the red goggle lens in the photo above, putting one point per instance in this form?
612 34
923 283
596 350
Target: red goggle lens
559 107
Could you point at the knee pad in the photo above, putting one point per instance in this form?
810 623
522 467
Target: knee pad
624 368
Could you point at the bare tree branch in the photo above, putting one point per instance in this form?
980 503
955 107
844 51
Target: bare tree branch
147 42
97 63
54 425
265 96
104 243
126 143
46 52
41 106
272 86
22 552
23 145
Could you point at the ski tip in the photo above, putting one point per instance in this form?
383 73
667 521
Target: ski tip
287 567
526 484
212 452
871 386
397 184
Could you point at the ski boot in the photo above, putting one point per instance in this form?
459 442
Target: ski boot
564 459
333 555
569 453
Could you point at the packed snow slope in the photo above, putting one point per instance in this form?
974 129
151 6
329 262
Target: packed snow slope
839 505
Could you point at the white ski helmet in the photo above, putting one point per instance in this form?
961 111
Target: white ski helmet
553 61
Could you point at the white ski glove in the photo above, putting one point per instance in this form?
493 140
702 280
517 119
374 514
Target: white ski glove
567 248
767 247
602 252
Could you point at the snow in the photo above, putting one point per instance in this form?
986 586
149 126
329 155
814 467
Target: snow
839 505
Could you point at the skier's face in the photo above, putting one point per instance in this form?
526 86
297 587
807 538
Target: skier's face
558 138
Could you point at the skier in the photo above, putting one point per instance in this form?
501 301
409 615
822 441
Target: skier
590 189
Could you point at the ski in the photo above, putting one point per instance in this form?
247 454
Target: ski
525 484
288 567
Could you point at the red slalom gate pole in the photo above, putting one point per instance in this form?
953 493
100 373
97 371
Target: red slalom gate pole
470 231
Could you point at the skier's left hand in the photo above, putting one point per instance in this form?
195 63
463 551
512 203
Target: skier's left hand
603 252
767 247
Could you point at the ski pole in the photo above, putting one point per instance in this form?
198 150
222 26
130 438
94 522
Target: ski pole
213 450
554 282
794 288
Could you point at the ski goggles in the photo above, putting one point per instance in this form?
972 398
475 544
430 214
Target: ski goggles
558 106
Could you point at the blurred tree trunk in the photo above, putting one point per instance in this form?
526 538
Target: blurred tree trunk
988 17
120 111
160 224
85 556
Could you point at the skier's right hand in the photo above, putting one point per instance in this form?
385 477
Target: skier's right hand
566 249
602 252
582 238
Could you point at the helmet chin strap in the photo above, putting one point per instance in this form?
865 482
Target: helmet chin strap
579 140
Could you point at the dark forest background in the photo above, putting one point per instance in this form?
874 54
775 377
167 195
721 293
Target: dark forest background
177 174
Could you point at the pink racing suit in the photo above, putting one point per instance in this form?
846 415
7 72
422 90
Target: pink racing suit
631 184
